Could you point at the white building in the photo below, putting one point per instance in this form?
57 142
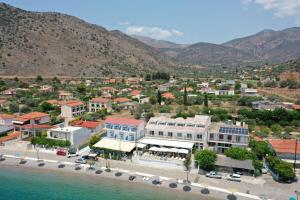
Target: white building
76 135
99 103
223 136
121 134
249 92
177 133
72 109
6 123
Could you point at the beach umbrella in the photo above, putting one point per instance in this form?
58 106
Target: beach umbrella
41 163
22 160
118 174
204 190
61 164
173 185
186 188
2 157
232 196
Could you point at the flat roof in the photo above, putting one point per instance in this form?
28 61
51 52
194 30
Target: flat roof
67 129
224 161
168 143
117 145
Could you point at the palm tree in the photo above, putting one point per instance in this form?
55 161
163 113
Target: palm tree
187 164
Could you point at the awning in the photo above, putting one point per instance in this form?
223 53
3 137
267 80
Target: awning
140 145
116 145
172 150
167 143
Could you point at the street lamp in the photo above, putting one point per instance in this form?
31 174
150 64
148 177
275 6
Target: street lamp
295 155
297 194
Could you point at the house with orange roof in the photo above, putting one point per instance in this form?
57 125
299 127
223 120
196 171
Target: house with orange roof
121 134
100 103
6 123
64 95
93 126
29 124
286 149
125 103
110 90
168 95
72 109
53 102
296 107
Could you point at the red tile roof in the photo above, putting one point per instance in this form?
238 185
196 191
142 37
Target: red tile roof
121 100
53 102
2 101
99 100
7 116
11 136
168 95
87 124
73 103
296 107
135 92
285 146
123 121
33 115
37 126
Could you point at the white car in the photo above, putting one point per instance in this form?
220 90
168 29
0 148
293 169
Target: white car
70 155
213 174
264 171
234 177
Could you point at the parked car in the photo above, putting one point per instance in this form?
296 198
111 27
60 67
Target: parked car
238 172
264 171
70 155
234 177
61 152
213 174
80 161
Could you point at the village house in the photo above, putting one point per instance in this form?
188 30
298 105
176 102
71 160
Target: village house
66 96
93 126
249 92
133 80
266 105
31 124
99 103
6 123
223 136
72 109
121 134
76 135
286 150
46 89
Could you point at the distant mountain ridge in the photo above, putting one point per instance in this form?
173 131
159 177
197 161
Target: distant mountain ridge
265 46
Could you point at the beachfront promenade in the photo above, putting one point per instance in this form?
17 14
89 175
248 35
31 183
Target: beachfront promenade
259 188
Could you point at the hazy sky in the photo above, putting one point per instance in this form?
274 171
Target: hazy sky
181 21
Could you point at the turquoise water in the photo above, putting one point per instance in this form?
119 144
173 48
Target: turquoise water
27 184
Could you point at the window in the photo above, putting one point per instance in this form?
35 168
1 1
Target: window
199 136
180 124
229 137
171 124
221 137
189 136
238 138
170 134
133 129
151 133
160 133
211 136
92 105
179 135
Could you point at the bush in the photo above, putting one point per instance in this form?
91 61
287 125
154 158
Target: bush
165 109
206 159
239 153
47 142
282 168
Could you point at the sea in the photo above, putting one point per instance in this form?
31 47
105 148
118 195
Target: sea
19 183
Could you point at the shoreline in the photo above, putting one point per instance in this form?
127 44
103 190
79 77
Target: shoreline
214 193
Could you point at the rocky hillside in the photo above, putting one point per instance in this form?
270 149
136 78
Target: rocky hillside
271 46
56 44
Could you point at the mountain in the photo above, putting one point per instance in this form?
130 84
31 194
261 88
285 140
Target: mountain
207 53
265 46
270 45
50 44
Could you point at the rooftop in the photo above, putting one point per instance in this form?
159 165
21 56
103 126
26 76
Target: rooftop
99 100
67 129
7 116
123 121
229 129
33 115
87 124
285 146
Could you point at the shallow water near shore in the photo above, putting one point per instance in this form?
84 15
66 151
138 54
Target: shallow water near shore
29 184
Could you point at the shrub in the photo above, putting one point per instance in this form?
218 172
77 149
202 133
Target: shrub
206 159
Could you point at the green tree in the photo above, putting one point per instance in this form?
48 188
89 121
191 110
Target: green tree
205 100
185 101
238 153
95 138
39 79
159 97
260 148
81 88
187 164
45 107
276 128
206 159
152 100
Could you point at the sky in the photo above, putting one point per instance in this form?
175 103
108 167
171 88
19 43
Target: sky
179 21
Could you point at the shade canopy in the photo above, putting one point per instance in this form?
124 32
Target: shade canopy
115 145
167 143
171 150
